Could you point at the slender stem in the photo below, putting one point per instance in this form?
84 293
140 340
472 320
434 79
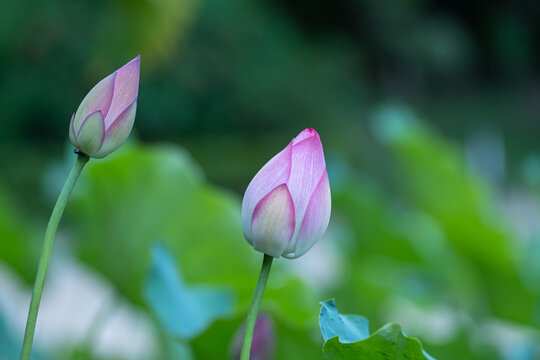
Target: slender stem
59 207
254 308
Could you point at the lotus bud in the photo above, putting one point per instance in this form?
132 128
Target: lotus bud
105 117
263 343
286 207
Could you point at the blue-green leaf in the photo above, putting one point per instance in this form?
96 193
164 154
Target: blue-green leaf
349 328
185 311
347 337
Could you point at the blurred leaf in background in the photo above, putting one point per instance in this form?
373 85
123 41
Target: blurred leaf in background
183 311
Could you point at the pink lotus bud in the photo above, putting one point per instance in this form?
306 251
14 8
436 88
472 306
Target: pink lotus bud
286 207
263 343
105 117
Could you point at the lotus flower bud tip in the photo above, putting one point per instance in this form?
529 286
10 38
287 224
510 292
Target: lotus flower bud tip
105 117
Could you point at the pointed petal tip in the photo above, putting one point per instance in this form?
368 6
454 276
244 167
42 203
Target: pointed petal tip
132 66
306 134
135 59
126 90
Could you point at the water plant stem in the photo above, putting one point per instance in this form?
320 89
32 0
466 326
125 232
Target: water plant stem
254 307
56 215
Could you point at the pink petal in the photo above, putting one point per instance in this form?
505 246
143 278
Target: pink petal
98 99
91 134
126 89
273 222
307 133
118 132
315 220
273 173
306 170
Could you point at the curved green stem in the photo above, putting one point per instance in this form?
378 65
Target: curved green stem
254 308
46 253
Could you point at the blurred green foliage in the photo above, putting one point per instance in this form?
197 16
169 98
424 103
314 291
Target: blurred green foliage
420 235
